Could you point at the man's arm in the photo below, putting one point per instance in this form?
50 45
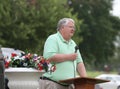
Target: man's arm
81 69
63 57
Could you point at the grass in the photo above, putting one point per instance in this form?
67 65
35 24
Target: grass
93 74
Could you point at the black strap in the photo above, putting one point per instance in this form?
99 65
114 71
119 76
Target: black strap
45 78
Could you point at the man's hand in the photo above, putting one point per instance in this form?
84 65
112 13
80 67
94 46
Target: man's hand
72 57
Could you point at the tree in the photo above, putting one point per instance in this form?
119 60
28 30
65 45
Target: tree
97 30
25 24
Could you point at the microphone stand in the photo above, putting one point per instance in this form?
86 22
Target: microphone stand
76 48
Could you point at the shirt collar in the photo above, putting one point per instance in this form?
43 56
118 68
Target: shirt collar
59 34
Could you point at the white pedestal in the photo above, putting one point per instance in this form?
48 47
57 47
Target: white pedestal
23 78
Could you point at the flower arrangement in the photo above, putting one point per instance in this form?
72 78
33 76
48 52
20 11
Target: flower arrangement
30 61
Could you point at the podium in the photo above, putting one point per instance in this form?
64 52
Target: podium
83 82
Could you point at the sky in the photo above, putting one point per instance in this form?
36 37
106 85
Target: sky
116 8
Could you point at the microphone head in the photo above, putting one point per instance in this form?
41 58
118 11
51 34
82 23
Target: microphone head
76 48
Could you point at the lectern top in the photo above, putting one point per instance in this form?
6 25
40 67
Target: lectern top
83 80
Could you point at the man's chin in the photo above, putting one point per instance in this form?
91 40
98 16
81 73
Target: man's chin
71 35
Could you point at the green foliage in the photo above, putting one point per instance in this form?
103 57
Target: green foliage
98 29
25 25
94 74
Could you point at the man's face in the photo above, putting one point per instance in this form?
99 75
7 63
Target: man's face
68 30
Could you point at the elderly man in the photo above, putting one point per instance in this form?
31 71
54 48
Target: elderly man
60 50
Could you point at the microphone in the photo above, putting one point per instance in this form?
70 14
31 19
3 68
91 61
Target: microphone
76 48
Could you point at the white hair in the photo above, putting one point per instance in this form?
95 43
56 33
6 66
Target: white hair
63 22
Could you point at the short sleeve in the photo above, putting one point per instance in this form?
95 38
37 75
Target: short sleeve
79 58
50 47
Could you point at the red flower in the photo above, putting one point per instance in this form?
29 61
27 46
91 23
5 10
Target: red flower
40 67
13 54
28 56
7 64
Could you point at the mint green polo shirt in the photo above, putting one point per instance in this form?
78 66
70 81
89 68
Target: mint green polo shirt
55 44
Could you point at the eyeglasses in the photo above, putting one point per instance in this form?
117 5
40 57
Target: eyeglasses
72 27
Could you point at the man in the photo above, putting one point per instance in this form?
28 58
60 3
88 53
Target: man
60 50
